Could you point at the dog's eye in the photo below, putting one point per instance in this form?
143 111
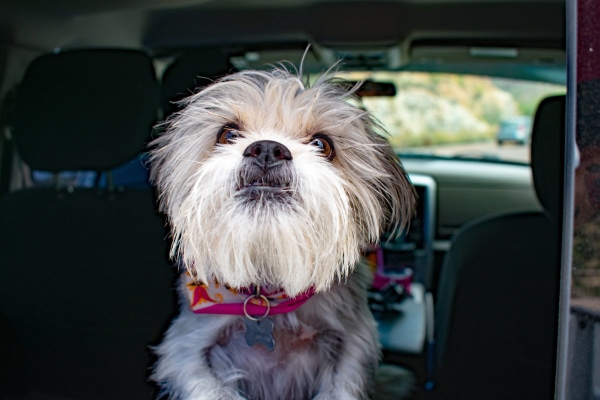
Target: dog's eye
228 134
323 143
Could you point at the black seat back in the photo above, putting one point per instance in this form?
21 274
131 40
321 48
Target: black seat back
191 71
85 284
497 305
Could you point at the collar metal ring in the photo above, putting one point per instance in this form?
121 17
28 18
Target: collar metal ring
263 299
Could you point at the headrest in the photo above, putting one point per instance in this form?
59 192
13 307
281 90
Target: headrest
190 71
85 110
548 153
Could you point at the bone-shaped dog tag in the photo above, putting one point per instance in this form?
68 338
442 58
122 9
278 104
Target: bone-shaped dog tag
260 332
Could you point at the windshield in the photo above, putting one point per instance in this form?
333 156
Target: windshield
458 116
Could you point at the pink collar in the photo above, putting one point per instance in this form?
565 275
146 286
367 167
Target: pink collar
219 299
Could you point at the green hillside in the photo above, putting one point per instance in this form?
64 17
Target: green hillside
433 109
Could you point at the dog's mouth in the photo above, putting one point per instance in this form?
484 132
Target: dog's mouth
264 183
265 186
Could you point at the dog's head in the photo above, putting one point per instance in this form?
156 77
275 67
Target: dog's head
267 181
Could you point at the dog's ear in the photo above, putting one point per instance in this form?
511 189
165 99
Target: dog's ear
397 195
400 197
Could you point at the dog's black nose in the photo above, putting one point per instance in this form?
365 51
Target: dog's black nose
268 153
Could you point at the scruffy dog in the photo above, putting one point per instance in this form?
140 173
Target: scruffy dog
272 189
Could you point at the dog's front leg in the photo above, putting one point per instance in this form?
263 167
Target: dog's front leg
352 379
183 370
352 375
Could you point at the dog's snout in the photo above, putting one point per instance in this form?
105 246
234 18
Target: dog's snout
268 153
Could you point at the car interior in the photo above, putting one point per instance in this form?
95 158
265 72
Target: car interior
470 305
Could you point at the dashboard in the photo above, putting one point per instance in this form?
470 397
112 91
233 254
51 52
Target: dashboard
468 190
450 194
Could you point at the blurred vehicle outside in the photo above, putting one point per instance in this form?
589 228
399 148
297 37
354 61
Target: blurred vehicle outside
517 129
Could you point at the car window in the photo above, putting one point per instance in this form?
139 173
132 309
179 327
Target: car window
458 116
132 174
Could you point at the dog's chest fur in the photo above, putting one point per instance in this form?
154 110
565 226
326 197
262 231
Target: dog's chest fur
309 343
286 372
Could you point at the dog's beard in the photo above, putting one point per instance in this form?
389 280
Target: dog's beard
291 228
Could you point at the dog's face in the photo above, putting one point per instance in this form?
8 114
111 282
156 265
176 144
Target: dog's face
266 181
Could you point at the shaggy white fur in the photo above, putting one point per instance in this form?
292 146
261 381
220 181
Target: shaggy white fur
269 182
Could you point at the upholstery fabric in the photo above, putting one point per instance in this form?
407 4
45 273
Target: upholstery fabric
85 110
85 280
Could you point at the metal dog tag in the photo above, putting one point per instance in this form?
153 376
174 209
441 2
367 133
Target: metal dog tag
260 332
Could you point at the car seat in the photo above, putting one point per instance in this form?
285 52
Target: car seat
190 71
85 282
497 304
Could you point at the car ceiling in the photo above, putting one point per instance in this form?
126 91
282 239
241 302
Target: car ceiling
399 32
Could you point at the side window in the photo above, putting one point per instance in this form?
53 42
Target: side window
132 174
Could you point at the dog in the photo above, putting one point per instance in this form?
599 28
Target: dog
273 188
